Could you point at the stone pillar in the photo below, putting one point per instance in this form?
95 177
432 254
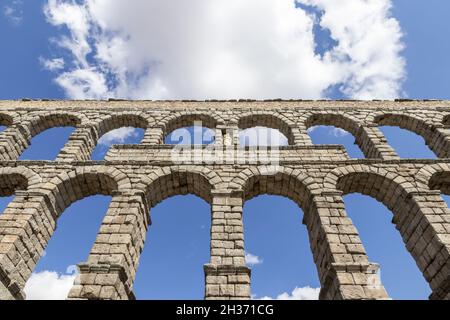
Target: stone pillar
374 144
230 135
219 135
425 226
80 145
25 229
227 276
153 135
13 142
111 266
301 136
344 269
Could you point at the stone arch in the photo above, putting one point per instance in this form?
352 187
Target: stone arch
441 181
32 217
291 183
181 120
305 192
411 214
150 190
20 134
167 182
349 124
268 120
6 119
77 184
331 179
115 121
44 121
101 127
419 126
17 178
343 121
388 188
432 177
12 181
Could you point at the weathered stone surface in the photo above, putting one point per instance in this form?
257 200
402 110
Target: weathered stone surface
140 176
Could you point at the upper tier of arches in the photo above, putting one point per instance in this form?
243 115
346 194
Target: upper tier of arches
91 126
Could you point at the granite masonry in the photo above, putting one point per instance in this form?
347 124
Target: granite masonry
225 175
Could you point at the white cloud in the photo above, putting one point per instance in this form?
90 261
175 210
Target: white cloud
118 136
222 49
304 293
251 259
262 136
331 130
52 64
338 132
13 12
49 285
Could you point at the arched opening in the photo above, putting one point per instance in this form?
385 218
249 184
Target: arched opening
178 240
264 130
76 231
335 129
122 135
333 135
192 129
262 136
278 250
193 135
410 137
118 129
171 264
84 199
399 271
406 143
279 242
49 135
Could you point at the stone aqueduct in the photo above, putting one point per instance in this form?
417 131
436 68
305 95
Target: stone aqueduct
139 176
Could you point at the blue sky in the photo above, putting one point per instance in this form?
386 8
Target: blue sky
178 241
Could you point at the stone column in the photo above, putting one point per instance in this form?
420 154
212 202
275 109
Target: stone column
344 269
230 135
111 267
227 276
301 136
25 229
219 132
80 145
374 144
153 135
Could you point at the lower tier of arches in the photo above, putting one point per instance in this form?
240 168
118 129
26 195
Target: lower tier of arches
410 189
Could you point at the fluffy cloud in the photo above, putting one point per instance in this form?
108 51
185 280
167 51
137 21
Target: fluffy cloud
334 131
304 293
49 285
261 136
251 259
52 64
338 132
13 12
203 49
117 136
